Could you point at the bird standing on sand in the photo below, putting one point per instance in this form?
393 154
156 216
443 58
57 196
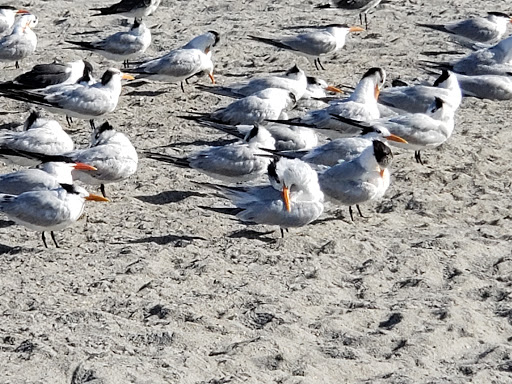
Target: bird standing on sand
129 8
7 16
22 41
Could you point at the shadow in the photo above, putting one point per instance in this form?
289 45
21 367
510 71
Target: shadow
168 197
253 235
6 223
146 93
179 241
5 249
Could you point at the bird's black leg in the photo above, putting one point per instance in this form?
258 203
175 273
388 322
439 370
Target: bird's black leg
366 21
69 120
316 65
417 156
102 189
17 65
93 126
44 240
359 210
125 64
320 63
182 88
351 213
53 238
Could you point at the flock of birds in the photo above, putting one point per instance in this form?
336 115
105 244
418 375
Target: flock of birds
351 168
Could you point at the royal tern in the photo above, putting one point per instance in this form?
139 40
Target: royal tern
45 75
44 176
268 104
236 162
490 87
361 105
45 211
325 40
417 98
7 16
129 8
82 101
420 130
293 199
363 6
360 180
487 29
193 59
496 60
40 135
22 41
121 46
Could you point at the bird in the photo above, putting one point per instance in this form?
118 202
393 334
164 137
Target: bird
47 210
360 180
40 135
45 75
293 198
7 15
490 87
264 105
193 59
361 105
234 163
22 41
121 46
44 176
322 41
417 98
82 101
364 6
489 29
129 8
419 130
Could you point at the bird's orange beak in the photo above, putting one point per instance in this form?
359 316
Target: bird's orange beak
333 89
22 12
93 197
84 167
356 29
377 92
286 199
126 76
382 170
396 139
210 75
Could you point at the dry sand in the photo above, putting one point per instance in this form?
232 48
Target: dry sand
150 288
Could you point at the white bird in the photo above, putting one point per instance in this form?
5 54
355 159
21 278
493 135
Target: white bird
82 101
50 210
45 75
129 8
487 29
7 16
293 199
490 87
419 130
121 46
40 136
44 176
236 162
361 105
193 59
324 40
268 104
417 98
22 41
360 180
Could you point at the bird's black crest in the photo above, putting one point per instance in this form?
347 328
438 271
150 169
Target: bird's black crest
292 70
382 153
312 80
103 128
272 170
373 71
253 133
441 79
69 188
217 37
86 75
107 76
499 14
367 129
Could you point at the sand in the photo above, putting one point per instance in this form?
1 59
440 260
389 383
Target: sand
150 288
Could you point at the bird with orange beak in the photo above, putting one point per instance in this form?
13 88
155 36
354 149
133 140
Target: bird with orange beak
323 41
7 15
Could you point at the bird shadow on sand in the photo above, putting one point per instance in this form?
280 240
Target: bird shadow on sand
168 197
6 223
177 241
253 235
6 250
146 93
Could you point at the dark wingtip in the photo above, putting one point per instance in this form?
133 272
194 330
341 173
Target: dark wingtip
272 170
253 133
441 79
500 14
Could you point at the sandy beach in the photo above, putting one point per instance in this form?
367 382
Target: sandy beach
152 288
